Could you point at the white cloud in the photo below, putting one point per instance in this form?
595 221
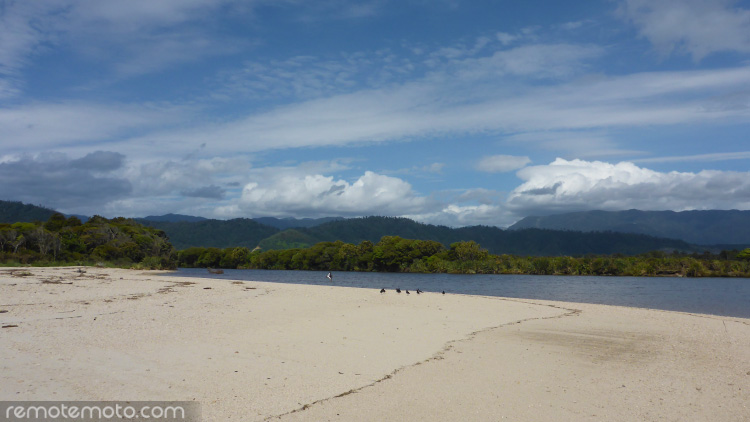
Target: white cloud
189 177
716 156
506 38
585 185
306 77
40 126
318 195
133 37
439 106
456 215
502 163
456 100
696 27
18 37
531 61
578 143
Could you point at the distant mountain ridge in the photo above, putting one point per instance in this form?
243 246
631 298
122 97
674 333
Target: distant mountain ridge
711 227
596 232
289 222
173 218
16 211
497 241
213 233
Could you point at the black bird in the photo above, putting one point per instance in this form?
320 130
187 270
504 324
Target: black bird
398 290
407 292
443 291
382 290
419 291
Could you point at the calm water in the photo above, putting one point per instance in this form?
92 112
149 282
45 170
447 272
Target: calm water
717 296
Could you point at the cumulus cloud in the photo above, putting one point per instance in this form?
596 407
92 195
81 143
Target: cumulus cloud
458 215
190 177
319 195
502 163
696 27
576 185
59 182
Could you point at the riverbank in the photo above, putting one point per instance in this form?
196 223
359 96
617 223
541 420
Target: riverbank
255 351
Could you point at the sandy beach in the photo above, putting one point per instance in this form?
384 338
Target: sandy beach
252 351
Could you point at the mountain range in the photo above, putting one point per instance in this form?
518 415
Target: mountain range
594 232
712 227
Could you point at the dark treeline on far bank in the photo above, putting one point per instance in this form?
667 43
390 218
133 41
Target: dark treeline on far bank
117 242
395 254
126 243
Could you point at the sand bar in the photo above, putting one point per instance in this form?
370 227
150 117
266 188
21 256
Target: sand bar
252 351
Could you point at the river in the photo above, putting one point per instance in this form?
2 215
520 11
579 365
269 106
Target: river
717 296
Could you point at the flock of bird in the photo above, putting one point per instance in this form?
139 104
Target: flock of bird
398 290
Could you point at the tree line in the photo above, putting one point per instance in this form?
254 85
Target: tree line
126 243
396 254
64 241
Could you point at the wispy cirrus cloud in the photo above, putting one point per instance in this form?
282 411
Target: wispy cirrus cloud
502 163
695 27
78 124
711 157
437 107
130 38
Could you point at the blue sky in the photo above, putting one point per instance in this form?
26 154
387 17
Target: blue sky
448 112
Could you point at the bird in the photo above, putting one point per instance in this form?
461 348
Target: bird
407 292
330 276
443 291
419 291
398 290
382 290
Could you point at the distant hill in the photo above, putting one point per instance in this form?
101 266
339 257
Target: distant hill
279 223
173 218
699 227
290 223
497 241
18 212
213 233
594 232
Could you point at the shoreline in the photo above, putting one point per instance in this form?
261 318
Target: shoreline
258 350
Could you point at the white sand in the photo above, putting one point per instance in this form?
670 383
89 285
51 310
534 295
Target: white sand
253 351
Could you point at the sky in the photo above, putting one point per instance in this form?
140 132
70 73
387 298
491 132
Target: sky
451 112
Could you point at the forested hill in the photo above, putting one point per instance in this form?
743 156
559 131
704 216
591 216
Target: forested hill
213 233
18 212
698 227
244 232
497 241
290 223
173 218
